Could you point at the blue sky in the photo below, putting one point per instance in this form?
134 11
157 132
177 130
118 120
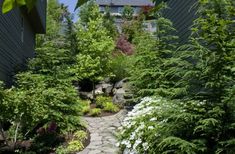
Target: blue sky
71 4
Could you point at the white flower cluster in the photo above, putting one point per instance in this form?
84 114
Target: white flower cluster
146 107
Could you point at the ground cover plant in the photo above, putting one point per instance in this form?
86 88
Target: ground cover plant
102 107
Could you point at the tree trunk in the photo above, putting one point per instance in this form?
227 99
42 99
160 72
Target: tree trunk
93 92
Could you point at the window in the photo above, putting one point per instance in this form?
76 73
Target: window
102 9
120 10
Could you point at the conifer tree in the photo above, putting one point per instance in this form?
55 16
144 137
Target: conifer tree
153 59
207 69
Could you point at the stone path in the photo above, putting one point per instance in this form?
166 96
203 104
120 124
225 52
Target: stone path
103 131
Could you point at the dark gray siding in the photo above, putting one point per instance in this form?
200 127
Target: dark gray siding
37 16
181 13
17 39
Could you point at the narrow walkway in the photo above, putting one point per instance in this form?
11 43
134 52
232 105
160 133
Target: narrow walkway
103 131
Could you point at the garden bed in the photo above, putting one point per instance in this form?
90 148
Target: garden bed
49 143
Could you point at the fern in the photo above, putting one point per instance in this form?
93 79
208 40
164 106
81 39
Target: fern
177 145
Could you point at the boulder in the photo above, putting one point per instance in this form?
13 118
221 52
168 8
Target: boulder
86 95
98 91
121 83
118 97
104 88
122 93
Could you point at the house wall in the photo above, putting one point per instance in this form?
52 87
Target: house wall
17 41
116 11
119 9
181 13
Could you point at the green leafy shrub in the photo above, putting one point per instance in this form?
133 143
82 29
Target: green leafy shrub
110 107
120 67
85 106
127 12
102 100
6 108
94 42
80 135
45 92
95 112
75 145
85 109
35 101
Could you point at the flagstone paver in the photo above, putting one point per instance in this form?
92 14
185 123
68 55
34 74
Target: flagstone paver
102 132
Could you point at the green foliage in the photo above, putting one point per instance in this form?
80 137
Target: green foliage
95 48
75 145
51 60
177 145
70 33
94 41
153 61
150 127
89 12
88 67
212 45
120 67
8 5
56 14
132 28
85 109
110 107
45 142
5 108
85 106
127 13
101 100
109 23
201 73
44 93
209 76
95 112
36 100
80 3
106 104
80 135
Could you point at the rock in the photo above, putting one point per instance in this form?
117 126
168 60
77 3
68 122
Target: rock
95 152
118 97
122 93
128 95
104 88
99 91
120 83
86 95
108 90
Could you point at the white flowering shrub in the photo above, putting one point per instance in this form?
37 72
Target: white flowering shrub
155 125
